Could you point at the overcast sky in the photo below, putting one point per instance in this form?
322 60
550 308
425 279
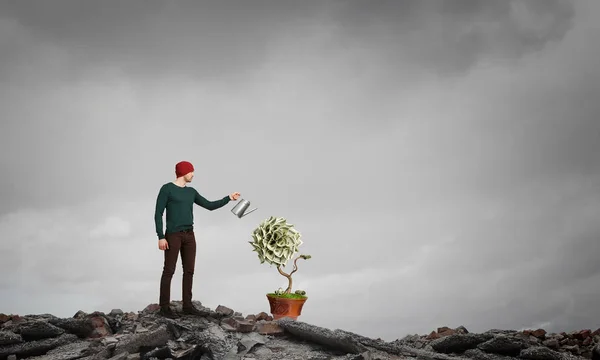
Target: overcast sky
440 159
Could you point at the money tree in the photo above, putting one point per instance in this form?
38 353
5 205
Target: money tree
276 241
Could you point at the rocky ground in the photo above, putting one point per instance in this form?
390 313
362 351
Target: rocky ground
225 334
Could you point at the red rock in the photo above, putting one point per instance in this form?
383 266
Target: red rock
262 316
239 325
539 333
447 332
4 318
583 334
101 327
268 328
587 341
433 335
596 332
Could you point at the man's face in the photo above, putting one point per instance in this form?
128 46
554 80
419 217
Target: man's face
188 177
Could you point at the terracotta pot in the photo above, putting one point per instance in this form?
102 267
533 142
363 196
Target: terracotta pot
282 307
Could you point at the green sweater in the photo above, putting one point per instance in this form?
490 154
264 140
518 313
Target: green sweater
179 201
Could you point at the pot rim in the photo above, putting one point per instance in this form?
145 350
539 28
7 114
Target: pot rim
271 296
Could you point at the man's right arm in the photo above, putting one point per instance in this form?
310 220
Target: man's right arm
161 204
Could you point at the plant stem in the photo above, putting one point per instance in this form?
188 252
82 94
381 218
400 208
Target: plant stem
289 276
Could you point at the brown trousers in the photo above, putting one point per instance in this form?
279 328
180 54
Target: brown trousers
183 242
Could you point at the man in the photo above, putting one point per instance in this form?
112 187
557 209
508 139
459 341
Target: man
178 200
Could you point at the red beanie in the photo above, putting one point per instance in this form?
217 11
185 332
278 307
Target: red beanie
183 167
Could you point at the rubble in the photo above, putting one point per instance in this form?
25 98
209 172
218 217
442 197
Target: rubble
224 334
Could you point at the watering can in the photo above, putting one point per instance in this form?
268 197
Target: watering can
240 208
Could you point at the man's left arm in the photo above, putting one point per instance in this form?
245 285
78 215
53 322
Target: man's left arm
210 205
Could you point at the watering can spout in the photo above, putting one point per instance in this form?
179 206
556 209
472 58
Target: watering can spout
248 212
240 208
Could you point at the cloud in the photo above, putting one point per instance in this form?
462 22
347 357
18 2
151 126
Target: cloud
153 40
146 40
450 38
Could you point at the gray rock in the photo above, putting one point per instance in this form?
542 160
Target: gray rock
39 329
477 354
423 354
334 339
410 338
540 353
398 347
249 341
109 340
39 317
74 350
163 352
263 352
214 342
596 352
135 342
501 331
79 315
462 330
572 349
224 311
140 329
121 356
551 343
9 338
149 336
458 343
185 353
367 355
98 352
36 347
503 345
81 327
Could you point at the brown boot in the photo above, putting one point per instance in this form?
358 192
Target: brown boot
167 312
